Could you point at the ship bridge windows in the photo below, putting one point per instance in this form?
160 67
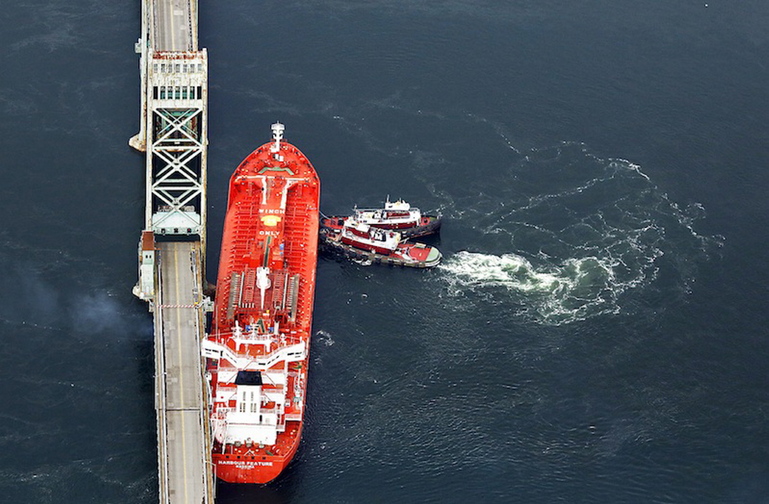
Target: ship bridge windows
253 378
249 400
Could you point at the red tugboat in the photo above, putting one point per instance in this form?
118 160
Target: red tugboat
358 240
259 343
398 215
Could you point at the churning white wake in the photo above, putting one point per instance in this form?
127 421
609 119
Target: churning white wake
570 291
589 233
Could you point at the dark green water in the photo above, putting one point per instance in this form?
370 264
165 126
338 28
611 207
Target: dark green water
596 333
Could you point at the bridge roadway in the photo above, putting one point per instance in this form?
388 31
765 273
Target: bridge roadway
185 474
175 26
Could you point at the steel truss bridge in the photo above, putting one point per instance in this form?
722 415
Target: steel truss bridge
174 135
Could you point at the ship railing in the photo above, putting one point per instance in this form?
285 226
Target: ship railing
283 339
254 337
221 413
291 353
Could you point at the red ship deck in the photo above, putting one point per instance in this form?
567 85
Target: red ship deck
262 317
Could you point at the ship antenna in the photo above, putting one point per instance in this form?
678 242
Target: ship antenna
277 135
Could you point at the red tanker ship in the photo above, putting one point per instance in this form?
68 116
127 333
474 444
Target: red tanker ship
259 343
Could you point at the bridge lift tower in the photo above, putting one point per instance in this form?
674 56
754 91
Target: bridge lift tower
173 127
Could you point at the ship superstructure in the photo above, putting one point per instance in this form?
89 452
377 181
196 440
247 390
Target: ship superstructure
396 215
259 342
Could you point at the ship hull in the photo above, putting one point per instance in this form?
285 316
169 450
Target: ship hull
252 469
429 257
249 471
259 344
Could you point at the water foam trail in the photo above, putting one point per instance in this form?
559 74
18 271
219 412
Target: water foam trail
589 232
324 337
554 294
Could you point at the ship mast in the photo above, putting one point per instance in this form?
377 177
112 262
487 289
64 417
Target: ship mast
277 135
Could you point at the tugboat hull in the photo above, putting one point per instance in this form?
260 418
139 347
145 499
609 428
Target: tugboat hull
409 255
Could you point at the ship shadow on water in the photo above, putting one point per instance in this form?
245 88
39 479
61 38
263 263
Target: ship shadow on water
278 491
235 493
